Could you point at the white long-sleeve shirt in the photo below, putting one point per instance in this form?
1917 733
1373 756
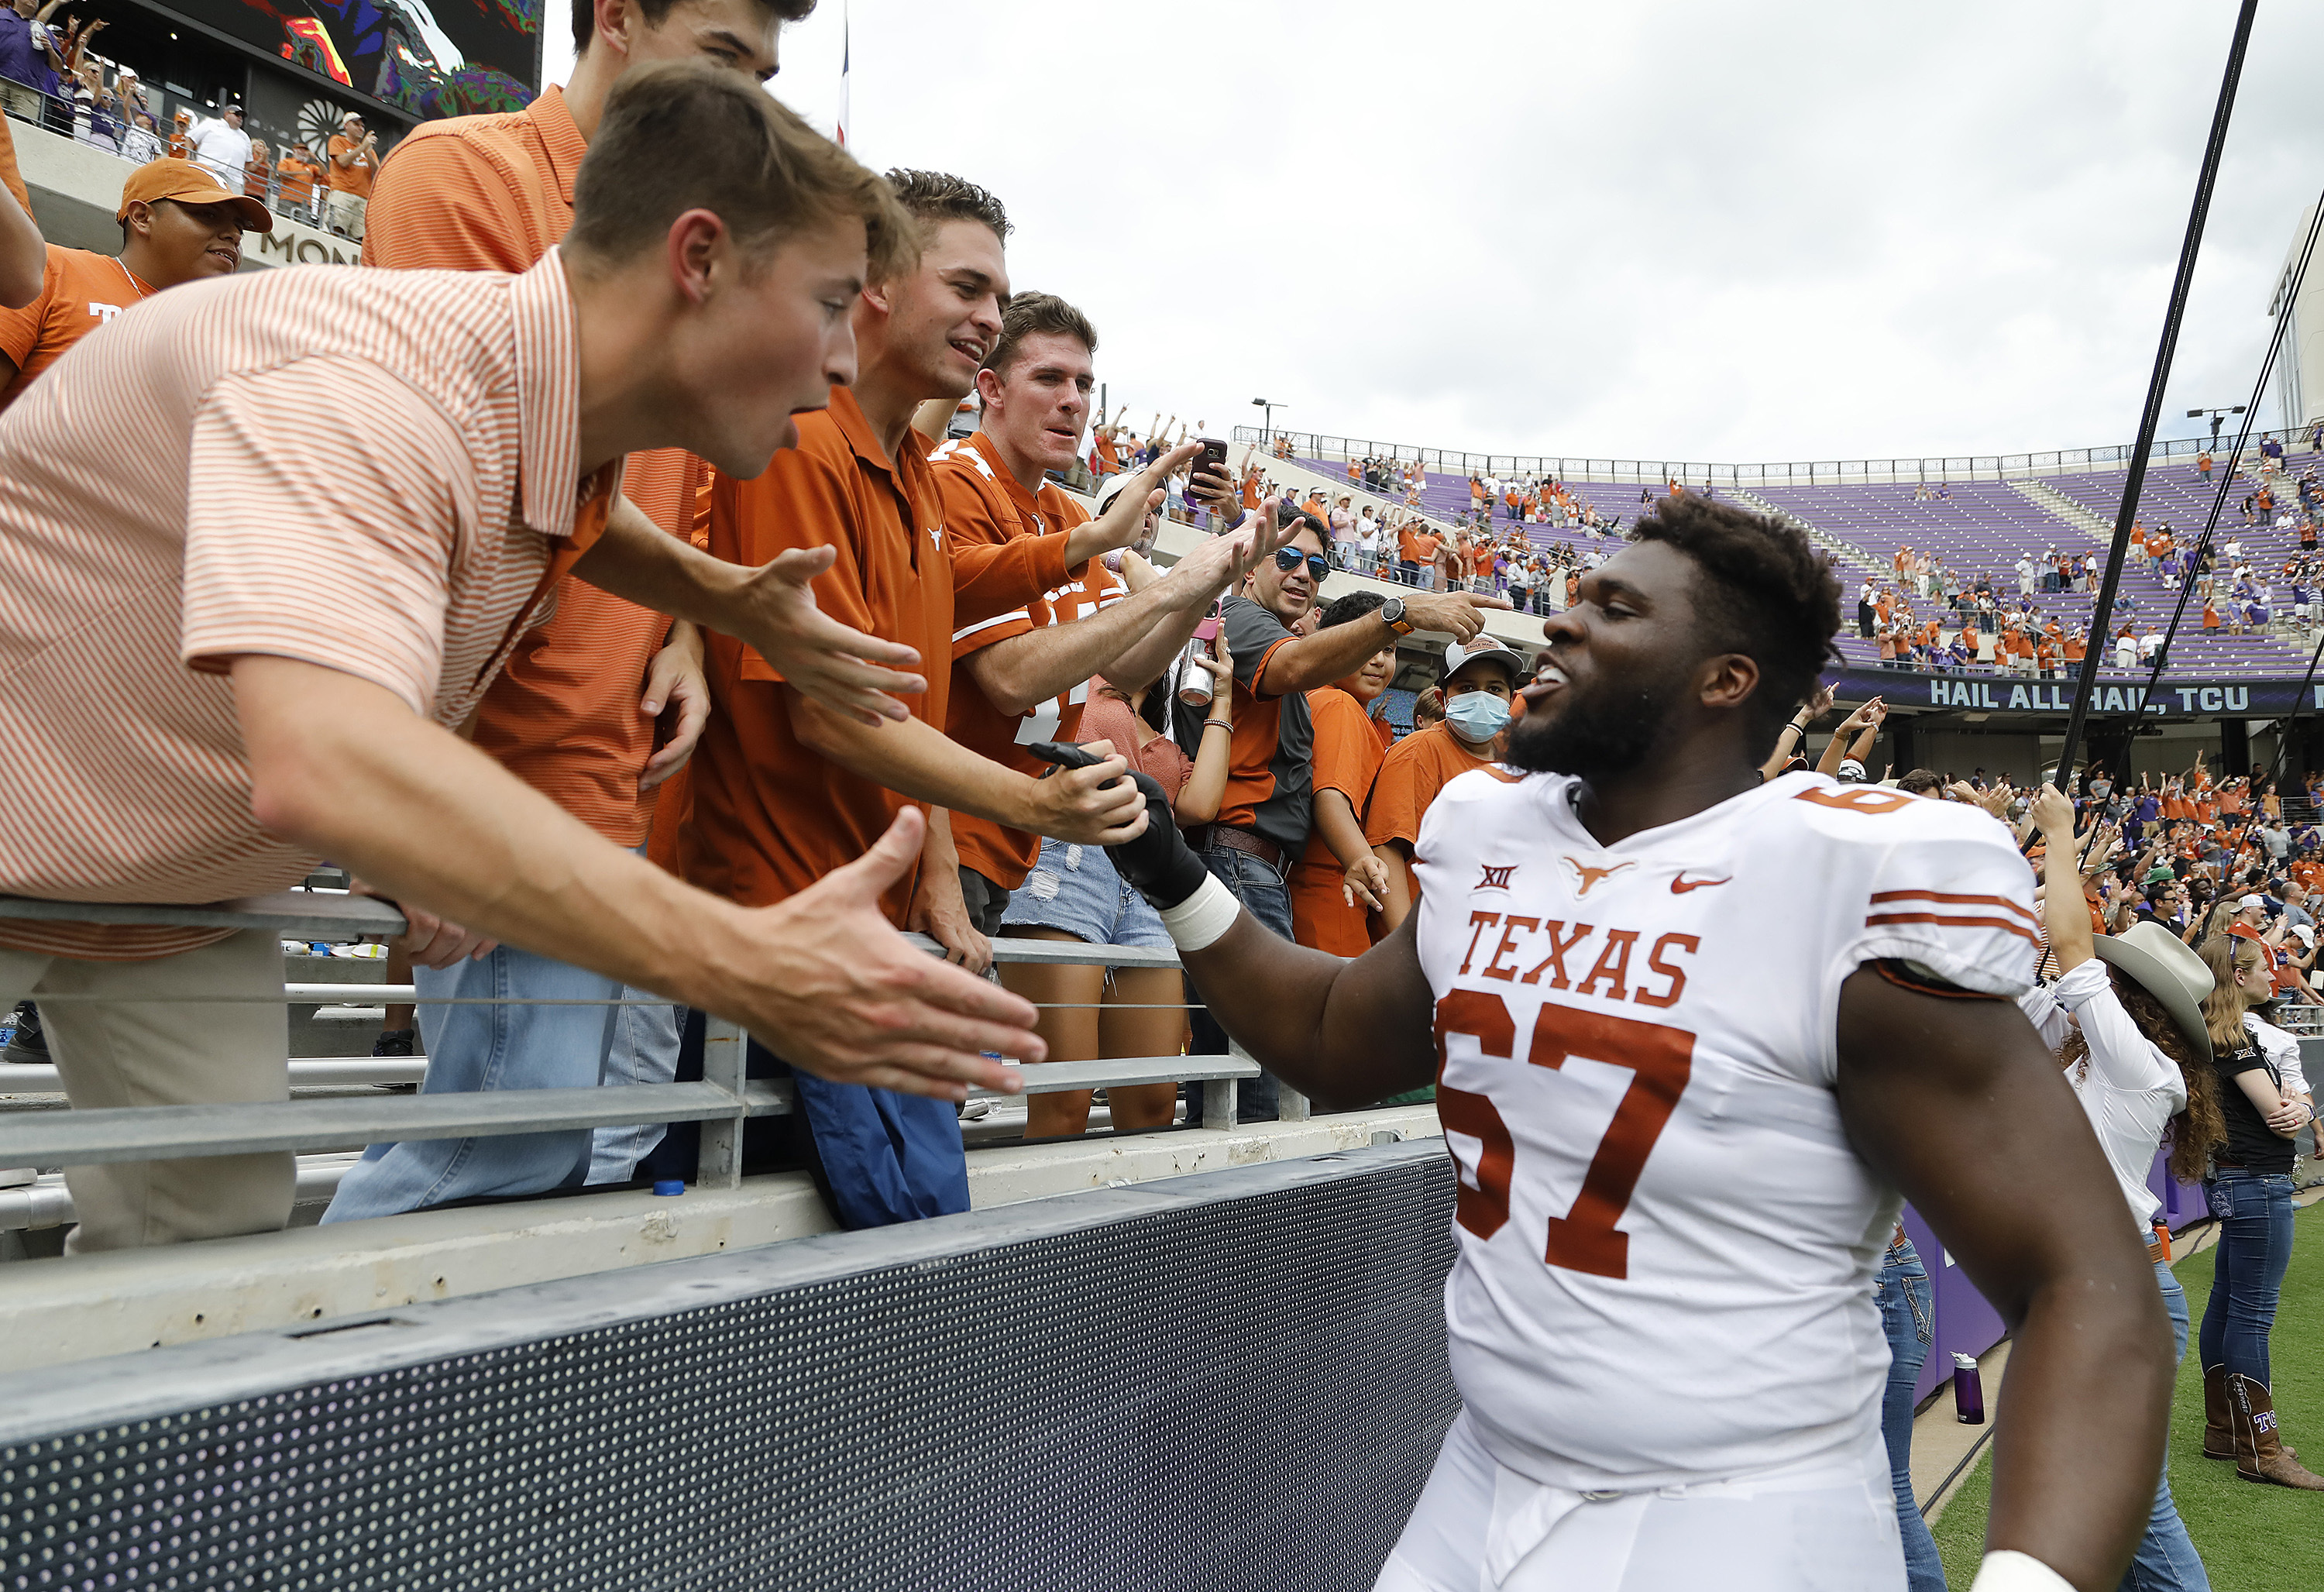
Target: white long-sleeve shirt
2130 1091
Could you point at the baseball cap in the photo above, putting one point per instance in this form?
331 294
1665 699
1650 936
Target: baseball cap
2307 935
1456 656
2252 904
1851 772
188 184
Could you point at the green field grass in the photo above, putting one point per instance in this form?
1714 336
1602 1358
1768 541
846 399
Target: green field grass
2250 1537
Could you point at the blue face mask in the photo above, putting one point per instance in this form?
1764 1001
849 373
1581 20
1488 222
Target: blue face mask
1477 716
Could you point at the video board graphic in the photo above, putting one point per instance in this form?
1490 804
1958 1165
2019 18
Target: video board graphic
432 58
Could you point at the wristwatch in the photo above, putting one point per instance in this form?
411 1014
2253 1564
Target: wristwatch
1391 614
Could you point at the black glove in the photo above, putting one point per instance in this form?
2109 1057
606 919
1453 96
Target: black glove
1158 864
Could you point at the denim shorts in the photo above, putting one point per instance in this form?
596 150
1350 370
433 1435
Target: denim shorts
1075 888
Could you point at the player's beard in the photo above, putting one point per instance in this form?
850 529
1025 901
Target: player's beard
1595 733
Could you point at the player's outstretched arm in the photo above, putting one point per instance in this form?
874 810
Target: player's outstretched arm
1955 1100
1343 1033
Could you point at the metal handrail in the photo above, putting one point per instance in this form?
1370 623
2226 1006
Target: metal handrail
722 1101
2070 461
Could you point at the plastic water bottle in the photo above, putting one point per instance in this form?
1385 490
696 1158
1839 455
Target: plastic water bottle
1969 1392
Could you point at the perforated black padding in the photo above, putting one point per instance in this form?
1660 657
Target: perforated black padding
1240 1393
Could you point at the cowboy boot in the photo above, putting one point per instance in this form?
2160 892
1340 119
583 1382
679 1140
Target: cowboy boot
2259 1452
2218 1431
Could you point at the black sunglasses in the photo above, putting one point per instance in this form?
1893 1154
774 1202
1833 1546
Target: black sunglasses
1287 559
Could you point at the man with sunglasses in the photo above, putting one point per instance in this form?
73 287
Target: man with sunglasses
1269 806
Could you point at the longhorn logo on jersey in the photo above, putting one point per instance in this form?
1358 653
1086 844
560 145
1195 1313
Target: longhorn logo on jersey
1496 879
1588 878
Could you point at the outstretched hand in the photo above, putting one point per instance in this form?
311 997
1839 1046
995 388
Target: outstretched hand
835 665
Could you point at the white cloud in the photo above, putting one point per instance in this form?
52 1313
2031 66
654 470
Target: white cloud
1668 228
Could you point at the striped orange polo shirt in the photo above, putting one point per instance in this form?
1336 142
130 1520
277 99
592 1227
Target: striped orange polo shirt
495 193
375 472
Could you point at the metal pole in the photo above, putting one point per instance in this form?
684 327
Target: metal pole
2152 416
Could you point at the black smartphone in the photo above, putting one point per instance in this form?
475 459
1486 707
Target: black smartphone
1213 458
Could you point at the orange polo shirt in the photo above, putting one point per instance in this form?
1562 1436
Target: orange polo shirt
984 506
80 292
770 816
495 193
1349 745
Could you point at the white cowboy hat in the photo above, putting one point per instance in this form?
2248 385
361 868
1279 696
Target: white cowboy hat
2161 963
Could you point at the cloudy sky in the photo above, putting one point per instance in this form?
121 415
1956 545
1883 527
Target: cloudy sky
1662 229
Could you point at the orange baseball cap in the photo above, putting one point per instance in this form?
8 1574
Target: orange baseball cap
188 184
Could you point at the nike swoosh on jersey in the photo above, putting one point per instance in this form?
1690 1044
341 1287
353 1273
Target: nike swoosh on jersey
1681 884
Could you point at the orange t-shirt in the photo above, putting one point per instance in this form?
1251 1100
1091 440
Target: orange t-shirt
495 193
1417 545
985 506
298 179
2074 649
356 178
1415 769
1108 455
1349 745
80 292
768 815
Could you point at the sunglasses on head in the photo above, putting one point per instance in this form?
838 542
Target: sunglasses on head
1287 559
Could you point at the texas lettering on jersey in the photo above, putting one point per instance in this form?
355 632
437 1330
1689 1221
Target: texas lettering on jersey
1665 1241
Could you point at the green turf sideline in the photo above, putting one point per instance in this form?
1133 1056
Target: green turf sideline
2250 1537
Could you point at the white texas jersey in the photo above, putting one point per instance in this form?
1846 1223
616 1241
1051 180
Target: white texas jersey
1666 1246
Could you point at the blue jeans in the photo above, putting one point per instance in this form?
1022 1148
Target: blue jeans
1266 896
2255 1212
2166 1559
1906 1306
473 1048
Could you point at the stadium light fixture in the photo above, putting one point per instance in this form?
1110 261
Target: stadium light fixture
1271 406
2218 418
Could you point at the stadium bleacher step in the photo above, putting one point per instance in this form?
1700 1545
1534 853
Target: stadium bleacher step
1847 552
2049 498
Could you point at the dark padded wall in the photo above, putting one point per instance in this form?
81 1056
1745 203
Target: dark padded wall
1240 1385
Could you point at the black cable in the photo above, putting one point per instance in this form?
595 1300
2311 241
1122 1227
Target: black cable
2151 419
1967 1460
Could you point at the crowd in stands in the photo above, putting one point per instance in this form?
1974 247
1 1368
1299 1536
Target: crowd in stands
1218 675
51 78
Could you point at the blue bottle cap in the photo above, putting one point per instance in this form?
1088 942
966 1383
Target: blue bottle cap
670 1185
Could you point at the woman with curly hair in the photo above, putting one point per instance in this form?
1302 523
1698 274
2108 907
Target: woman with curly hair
2250 1191
2126 1017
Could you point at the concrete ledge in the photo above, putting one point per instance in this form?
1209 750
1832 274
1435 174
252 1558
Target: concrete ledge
55 1311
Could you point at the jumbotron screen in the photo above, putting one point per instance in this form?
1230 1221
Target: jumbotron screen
432 58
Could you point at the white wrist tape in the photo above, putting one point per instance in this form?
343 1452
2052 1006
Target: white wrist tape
1202 918
2006 1569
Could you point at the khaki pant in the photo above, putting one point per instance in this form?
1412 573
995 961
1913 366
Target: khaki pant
140 1047
343 213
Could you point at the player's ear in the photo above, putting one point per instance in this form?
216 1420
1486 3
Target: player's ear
1728 680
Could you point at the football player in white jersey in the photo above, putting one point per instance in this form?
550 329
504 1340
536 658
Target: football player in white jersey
1693 1035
